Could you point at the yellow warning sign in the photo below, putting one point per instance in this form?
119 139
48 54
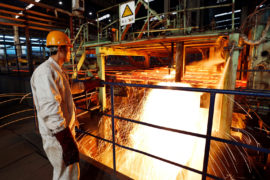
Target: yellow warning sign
127 12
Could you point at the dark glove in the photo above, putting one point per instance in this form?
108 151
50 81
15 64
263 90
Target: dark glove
70 149
92 83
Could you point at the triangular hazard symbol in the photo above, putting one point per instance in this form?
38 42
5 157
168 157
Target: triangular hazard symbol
127 12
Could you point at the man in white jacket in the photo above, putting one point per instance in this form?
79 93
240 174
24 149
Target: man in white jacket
56 110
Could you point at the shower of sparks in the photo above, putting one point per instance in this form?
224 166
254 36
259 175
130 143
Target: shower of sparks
12 94
175 147
17 120
13 99
18 112
25 97
173 109
154 109
239 105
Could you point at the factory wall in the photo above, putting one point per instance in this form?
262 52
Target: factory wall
14 84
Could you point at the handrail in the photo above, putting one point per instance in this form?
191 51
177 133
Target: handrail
159 16
208 135
83 28
77 35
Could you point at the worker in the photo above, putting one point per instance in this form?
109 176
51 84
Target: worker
55 108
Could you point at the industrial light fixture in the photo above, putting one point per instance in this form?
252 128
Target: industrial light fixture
27 7
227 20
103 17
221 1
148 0
9 37
228 13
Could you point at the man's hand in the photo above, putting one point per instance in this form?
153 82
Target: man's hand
69 146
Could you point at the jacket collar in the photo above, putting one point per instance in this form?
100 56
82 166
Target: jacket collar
56 64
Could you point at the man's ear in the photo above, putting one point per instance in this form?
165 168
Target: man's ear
59 49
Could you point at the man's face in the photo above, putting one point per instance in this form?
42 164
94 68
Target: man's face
65 53
68 53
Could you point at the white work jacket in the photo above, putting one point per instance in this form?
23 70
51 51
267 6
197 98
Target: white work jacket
52 98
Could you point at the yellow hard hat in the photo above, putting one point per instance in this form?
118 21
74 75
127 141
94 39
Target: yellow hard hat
57 38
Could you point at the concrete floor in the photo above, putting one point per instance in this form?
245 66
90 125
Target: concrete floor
21 152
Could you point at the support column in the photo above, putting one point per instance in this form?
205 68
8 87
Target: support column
18 50
101 75
17 60
166 10
29 51
17 42
172 54
166 6
5 53
198 14
229 84
147 61
179 61
185 16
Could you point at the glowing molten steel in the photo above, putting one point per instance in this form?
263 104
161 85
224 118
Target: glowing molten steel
169 108
174 109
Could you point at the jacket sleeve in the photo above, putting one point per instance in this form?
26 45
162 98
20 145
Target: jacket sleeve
48 101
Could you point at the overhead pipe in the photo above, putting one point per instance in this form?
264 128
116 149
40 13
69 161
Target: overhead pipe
52 8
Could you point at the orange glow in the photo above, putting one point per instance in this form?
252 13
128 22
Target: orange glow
168 108
174 109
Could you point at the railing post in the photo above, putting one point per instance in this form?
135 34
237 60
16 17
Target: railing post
17 58
87 32
208 134
229 82
148 19
98 27
233 8
101 75
119 28
5 53
113 135
84 33
185 16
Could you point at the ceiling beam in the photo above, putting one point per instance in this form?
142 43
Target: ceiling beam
52 8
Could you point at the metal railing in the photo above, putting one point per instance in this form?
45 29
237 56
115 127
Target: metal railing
178 18
208 135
